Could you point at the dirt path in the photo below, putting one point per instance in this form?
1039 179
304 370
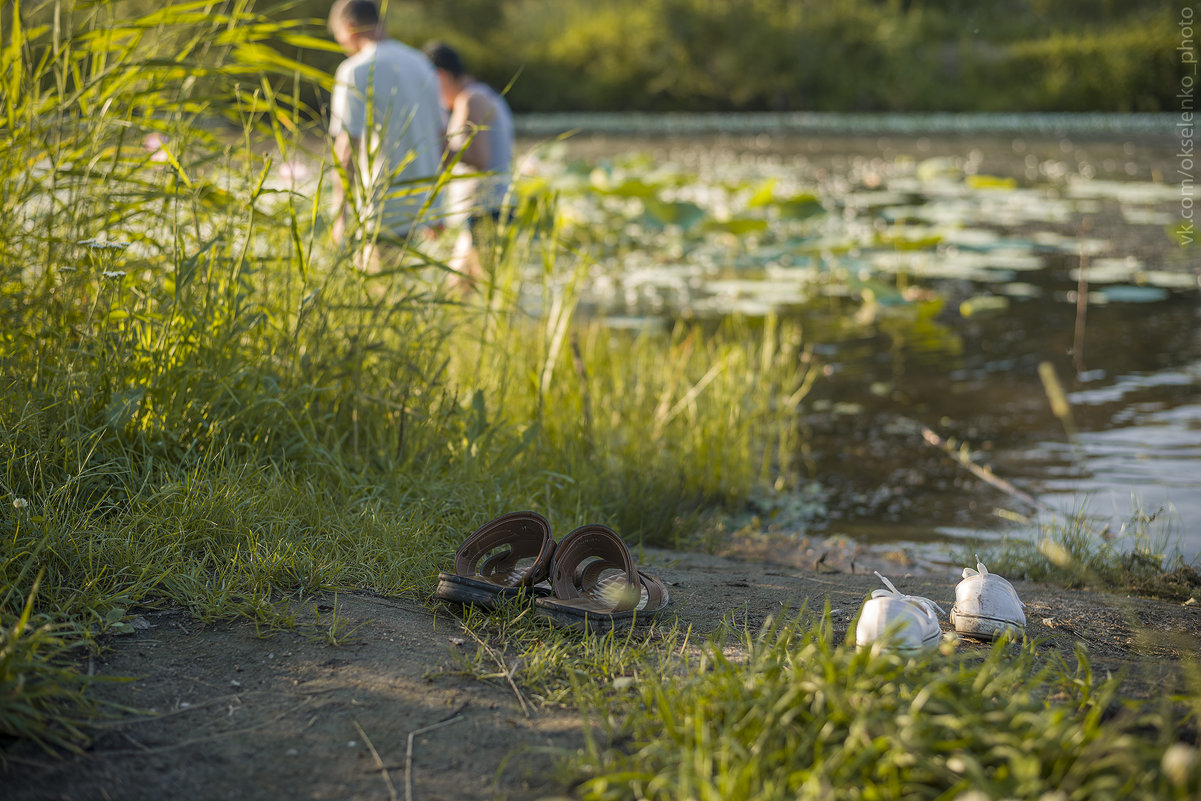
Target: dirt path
289 716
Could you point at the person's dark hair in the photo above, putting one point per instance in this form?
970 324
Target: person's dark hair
359 15
444 57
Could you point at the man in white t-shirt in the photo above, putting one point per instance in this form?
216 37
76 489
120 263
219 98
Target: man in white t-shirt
386 120
479 134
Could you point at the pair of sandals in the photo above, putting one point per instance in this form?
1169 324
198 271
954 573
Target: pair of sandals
588 580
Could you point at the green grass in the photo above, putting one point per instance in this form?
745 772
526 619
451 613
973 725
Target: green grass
1141 557
789 711
798 715
548 666
206 404
42 697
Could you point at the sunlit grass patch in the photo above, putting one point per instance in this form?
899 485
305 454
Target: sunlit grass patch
639 429
544 665
1142 557
804 717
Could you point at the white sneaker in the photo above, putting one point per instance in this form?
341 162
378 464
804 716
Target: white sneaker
986 605
907 623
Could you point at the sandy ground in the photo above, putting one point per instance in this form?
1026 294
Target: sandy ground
390 715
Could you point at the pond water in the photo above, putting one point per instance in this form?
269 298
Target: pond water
942 281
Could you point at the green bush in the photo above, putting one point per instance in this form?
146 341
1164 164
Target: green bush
1123 70
693 55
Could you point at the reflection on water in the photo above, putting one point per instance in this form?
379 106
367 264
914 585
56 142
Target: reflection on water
934 276
1136 408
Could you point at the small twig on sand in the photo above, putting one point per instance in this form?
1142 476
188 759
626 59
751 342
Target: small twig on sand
379 763
409 752
982 473
134 742
151 717
206 739
525 705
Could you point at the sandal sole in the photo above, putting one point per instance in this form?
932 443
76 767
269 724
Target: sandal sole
592 622
460 589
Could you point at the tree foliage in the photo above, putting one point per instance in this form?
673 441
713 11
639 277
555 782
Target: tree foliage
880 55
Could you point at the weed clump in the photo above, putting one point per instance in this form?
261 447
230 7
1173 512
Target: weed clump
802 717
1141 558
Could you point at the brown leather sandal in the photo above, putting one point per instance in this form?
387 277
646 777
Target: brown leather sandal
597 586
516 550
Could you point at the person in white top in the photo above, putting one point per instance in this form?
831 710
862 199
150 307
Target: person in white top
386 120
479 143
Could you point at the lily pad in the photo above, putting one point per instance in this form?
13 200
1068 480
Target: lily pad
764 194
938 167
1107 271
875 199
1128 293
901 213
874 291
1019 289
1170 280
1145 192
629 187
1140 215
910 237
974 239
981 305
800 207
991 182
739 226
1015 259
684 214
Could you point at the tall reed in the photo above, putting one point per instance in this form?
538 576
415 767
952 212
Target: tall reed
208 403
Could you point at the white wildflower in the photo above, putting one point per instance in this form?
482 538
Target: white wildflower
103 244
21 503
116 275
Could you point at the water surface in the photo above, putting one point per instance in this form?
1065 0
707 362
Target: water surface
934 274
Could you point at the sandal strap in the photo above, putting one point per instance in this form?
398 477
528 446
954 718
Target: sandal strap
584 555
525 535
656 592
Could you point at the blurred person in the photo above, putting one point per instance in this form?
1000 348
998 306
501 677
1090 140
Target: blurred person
386 120
479 143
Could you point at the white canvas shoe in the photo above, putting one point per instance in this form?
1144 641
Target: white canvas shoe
986 605
906 622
